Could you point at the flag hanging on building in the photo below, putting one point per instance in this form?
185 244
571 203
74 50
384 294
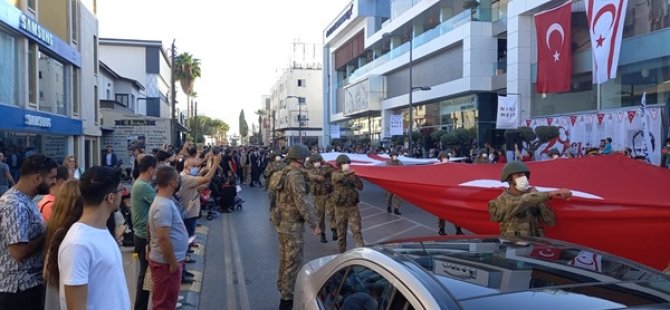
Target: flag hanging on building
554 54
508 112
606 18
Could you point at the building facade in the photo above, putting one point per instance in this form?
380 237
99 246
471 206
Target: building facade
466 53
48 67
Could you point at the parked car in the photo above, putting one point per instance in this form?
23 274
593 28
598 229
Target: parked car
479 272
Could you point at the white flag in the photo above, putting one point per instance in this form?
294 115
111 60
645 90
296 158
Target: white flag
605 19
396 125
334 131
508 112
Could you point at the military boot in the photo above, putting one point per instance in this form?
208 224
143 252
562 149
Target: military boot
323 238
397 211
334 234
388 209
441 232
459 231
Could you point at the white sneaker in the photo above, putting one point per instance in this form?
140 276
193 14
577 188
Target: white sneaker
178 306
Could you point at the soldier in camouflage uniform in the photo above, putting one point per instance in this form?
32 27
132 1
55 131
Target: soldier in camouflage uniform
294 211
273 166
442 158
521 209
345 198
390 197
322 187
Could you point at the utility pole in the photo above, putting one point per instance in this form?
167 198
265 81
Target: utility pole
173 90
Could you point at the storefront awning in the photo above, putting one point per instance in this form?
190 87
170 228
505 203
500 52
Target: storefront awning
106 129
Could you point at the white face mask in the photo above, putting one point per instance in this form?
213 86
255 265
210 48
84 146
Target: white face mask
345 167
522 183
278 158
317 165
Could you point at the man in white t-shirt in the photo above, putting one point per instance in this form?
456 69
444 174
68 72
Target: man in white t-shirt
89 259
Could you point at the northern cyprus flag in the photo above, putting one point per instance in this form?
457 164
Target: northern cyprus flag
606 19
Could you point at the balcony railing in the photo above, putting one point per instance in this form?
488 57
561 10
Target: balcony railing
443 28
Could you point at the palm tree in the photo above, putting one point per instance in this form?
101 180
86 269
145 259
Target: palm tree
187 70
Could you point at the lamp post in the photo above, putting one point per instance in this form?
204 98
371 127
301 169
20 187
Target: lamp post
411 85
300 101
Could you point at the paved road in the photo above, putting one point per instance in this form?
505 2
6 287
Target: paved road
240 270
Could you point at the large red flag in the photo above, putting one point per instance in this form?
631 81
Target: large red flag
554 54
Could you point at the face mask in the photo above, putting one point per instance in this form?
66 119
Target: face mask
345 167
394 157
522 183
317 165
278 158
194 171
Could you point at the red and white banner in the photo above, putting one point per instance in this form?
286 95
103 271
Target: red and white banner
605 19
554 54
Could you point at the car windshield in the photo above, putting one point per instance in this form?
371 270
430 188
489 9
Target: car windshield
475 268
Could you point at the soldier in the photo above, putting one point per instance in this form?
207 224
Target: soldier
274 164
521 209
322 187
345 198
443 157
293 211
390 197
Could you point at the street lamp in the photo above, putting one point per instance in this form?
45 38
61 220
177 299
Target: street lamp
411 85
301 100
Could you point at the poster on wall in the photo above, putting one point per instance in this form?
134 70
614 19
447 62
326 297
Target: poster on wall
625 126
334 131
146 133
396 125
54 147
508 112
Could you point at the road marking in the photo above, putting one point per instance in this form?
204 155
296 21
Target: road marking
228 265
371 215
404 218
380 225
239 270
392 236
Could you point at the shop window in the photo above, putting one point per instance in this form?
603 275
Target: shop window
32 72
52 85
8 69
302 83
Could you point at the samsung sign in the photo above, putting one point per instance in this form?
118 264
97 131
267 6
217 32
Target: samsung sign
346 16
37 121
39 32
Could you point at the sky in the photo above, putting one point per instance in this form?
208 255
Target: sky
243 45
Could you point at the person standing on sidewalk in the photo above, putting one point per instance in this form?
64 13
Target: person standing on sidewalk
294 211
89 259
141 197
346 199
322 188
169 241
22 236
392 199
6 179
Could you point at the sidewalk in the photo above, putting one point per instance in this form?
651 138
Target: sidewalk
190 292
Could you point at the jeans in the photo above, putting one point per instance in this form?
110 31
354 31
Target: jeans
141 296
166 286
190 226
30 299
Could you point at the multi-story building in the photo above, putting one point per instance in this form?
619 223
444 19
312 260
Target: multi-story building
295 100
465 53
266 121
48 67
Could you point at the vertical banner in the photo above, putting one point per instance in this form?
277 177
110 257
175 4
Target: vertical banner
334 131
396 125
554 53
508 112
606 18
647 145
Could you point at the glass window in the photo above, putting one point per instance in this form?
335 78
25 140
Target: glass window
302 83
96 104
32 74
8 69
75 91
31 5
52 85
74 20
356 287
122 99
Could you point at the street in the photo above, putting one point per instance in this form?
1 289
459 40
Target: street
241 262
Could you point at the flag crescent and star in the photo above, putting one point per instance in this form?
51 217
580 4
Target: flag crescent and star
554 57
558 28
605 19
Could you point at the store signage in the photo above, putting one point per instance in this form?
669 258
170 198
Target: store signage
42 34
37 121
346 16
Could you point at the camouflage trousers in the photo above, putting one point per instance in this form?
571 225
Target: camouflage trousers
290 260
325 207
348 216
391 198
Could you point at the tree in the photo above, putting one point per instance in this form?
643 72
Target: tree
534 138
260 113
244 127
207 127
187 70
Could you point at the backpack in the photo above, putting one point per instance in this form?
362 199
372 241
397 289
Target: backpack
277 180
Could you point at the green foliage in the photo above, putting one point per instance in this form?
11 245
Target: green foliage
437 135
205 126
336 142
459 137
244 127
187 70
546 133
398 140
534 138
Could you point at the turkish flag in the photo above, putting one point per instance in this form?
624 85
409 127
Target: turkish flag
554 54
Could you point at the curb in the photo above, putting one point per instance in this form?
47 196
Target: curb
191 292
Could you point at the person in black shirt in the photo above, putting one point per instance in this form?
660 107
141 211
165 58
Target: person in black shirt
226 163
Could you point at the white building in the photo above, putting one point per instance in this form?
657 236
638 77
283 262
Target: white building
468 52
296 106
